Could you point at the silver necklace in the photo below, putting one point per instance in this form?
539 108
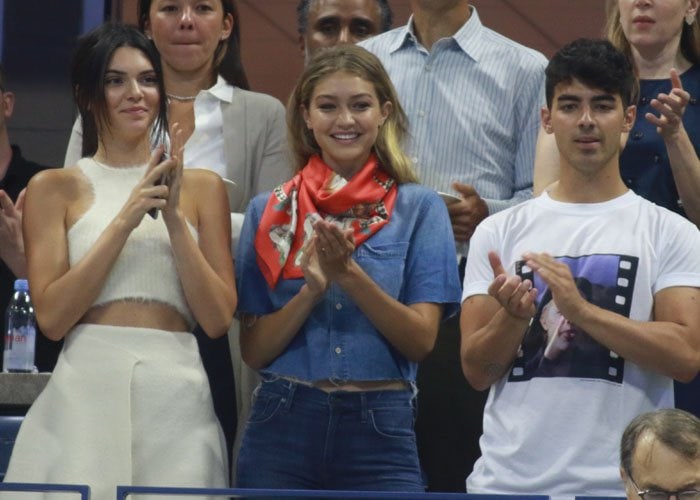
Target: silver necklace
183 98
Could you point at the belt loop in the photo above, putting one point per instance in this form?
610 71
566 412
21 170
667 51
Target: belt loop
364 412
290 396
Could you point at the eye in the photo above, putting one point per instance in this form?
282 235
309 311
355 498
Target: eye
327 27
150 80
568 106
362 105
604 107
168 7
362 29
326 106
113 80
204 7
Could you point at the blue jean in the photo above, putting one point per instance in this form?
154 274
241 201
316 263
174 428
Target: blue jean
299 437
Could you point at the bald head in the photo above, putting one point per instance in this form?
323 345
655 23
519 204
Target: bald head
660 451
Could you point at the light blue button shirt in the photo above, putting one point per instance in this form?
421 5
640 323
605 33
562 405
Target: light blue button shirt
473 102
411 258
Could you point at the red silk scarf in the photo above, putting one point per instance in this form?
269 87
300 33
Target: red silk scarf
364 204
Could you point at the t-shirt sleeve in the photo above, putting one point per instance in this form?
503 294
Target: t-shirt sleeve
679 256
478 274
253 291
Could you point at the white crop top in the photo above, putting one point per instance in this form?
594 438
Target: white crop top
145 269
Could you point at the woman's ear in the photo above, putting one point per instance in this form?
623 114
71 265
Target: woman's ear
386 109
227 27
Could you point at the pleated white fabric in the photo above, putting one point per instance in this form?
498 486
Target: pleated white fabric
123 406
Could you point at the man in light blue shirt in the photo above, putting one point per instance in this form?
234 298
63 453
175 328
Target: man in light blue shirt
473 99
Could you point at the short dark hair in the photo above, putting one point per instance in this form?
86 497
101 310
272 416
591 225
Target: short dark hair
304 7
677 429
91 59
596 63
227 57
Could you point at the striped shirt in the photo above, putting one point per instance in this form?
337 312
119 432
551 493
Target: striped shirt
473 102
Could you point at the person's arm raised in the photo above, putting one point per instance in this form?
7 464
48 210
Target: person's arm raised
62 294
205 267
492 326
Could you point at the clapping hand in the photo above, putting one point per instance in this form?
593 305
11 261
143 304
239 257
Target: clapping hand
671 107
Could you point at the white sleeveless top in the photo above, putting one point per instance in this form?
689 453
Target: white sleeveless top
145 268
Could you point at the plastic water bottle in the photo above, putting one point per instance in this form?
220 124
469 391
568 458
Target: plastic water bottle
20 331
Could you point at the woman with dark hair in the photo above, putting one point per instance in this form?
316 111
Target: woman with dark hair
236 133
129 401
348 269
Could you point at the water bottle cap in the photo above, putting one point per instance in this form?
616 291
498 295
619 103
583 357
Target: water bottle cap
22 285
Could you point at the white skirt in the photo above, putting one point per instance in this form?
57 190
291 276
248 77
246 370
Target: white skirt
124 406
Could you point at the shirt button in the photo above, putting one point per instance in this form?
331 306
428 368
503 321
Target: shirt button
644 100
414 159
637 135
338 350
428 67
657 158
339 306
421 114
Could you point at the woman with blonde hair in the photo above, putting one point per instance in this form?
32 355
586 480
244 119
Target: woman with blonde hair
348 269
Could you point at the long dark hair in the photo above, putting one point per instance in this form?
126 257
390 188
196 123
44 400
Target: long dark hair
227 57
91 59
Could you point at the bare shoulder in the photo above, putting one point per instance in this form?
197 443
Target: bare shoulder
200 177
65 183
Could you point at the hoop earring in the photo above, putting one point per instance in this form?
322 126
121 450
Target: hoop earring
689 19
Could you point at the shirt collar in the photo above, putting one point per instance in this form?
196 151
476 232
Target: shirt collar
221 90
468 38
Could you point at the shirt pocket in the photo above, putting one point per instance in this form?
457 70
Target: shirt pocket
385 264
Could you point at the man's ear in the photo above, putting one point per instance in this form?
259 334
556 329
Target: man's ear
630 116
302 45
546 118
9 103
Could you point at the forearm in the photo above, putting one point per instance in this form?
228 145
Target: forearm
685 166
211 298
413 334
264 338
664 347
15 260
518 197
487 352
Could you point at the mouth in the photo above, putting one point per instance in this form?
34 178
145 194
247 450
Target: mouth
345 136
587 142
643 21
136 110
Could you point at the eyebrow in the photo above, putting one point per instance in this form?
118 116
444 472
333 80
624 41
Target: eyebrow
597 98
120 72
356 96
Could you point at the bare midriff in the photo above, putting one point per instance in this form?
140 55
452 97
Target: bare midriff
143 314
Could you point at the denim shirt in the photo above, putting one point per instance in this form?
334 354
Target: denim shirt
412 259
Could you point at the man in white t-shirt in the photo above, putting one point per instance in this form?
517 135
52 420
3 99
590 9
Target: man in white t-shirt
660 456
623 271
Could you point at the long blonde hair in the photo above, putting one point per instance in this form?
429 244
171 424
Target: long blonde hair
355 61
690 36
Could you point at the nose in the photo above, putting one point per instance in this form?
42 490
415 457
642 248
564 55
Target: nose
345 117
186 21
586 118
134 90
344 36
